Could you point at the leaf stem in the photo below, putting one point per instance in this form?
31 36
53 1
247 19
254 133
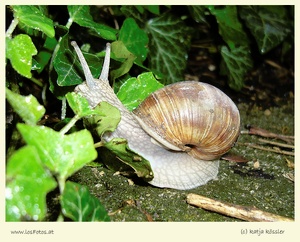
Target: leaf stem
61 184
69 125
36 81
68 25
63 108
99 144
12 27
70 22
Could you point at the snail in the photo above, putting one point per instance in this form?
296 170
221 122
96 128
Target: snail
182 129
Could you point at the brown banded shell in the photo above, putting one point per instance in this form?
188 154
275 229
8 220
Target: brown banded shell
194 117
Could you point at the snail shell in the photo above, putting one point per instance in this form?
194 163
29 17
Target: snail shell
208 120
193 117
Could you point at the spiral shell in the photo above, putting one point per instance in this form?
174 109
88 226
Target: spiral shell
193 117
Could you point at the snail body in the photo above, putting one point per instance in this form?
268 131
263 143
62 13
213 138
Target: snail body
182 146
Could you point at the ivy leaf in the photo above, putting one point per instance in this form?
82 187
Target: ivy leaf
44 55
229 26
19 51
134 12
268 24
62 154
169 44
81 15
34 18
27 184
68 67
135 39
28 108
134 90
197 13
127 156
152 9
236 63
79 104
106 118
120 52
79 205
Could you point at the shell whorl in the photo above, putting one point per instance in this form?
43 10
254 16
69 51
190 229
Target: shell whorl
194 117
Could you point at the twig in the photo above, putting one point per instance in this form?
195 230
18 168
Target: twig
272 63
283 152
241 212
276 143
267 134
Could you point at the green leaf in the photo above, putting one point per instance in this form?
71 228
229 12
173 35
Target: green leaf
268 24
27 184
68 67
153 9
127 156
19 51
42 60
28 108
120 52
134 90
79 205
134 12
35 65
198 13
135 39
106 118
169 44
34 18
62 154
79 104
81 15
236 62
44 55
141 9
229 26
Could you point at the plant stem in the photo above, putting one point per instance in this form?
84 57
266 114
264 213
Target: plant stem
69 125
99 144
70 22
61 184
68 25
12 27
36 81
63 108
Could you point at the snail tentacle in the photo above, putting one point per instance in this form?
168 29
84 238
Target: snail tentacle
87 73
105 68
